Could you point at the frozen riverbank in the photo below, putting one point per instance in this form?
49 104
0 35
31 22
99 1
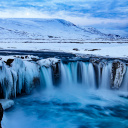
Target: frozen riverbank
98 49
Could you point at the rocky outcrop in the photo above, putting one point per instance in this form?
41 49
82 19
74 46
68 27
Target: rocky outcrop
117 72
1 113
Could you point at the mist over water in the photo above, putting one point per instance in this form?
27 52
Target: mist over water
80 100
77 108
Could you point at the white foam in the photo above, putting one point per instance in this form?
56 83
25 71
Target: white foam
6 103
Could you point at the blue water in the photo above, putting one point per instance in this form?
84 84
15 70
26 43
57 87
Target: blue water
69 108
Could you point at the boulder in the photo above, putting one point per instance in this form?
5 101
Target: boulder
1 114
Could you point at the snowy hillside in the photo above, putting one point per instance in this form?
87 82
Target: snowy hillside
95 31
48 30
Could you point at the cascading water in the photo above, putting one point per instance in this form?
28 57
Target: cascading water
46 77
21 75
75 94
82 74
78 73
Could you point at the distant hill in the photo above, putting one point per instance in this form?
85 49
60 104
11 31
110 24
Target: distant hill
49 29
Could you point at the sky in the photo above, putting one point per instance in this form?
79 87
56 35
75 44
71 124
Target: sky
106 15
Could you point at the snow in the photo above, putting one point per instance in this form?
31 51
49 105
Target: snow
48 62
6 103
47 30
39 28
104 49
25 57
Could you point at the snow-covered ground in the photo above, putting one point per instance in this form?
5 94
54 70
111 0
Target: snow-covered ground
59 35
28 57
101 49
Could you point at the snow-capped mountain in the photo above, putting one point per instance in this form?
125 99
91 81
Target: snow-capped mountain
95 31
48 29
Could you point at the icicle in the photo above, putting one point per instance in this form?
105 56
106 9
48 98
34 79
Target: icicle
18 77
6 80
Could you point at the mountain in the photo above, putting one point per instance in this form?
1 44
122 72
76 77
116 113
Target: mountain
48 30
95 31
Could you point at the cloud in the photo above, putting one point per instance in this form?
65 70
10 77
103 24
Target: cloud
95 8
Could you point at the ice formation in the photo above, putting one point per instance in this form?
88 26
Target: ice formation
17 78
48 62
21 76
117 73
6 103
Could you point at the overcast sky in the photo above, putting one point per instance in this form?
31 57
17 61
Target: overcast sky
100 13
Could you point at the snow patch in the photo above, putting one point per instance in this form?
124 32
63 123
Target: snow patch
48 62
25 57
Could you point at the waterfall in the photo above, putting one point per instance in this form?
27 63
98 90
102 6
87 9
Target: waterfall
69 74
46 77
105 77
21 75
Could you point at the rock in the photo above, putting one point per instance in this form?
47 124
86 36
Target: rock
26 57
1 113
22 57
94 49
117 72
95 61
9 61
50 36
75 49
34 59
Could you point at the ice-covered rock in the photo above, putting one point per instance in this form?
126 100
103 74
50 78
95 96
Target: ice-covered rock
21 75
48 62
6 103
18 78
117 73
6 81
